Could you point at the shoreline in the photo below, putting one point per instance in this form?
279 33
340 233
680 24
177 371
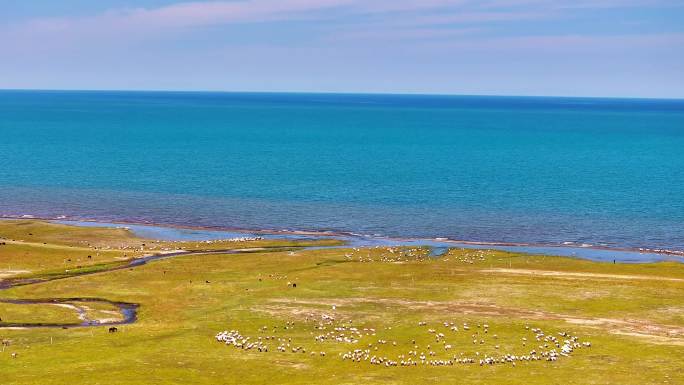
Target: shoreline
353 235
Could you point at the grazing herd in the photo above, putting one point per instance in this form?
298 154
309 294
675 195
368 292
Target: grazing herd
388 254
416 254
201 244
167 246
482 348
428 356
7 343
390 353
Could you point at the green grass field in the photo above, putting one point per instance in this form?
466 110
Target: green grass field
390 303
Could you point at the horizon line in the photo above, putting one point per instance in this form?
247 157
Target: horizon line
370 93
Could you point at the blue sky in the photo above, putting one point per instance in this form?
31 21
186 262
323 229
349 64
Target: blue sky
624 48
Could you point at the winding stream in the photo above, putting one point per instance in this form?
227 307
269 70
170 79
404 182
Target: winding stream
128 311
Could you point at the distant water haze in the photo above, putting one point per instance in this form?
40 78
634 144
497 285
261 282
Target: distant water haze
532 170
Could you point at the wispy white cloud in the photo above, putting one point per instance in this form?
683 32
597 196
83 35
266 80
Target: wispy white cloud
464 23
201 13
141 22
567 43
187 14
129 26
474 17
216 12
578 4
184 15
404 34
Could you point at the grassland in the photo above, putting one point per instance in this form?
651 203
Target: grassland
39 313
633 315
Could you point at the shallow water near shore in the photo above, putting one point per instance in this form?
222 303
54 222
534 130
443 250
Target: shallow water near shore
438 247
542 171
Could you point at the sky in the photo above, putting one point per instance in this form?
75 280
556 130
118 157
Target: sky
616 48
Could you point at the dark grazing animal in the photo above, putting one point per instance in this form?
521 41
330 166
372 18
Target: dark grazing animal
113 329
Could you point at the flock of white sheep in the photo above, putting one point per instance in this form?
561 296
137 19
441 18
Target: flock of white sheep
546 347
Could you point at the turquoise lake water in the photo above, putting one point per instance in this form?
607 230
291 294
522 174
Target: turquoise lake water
606 172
